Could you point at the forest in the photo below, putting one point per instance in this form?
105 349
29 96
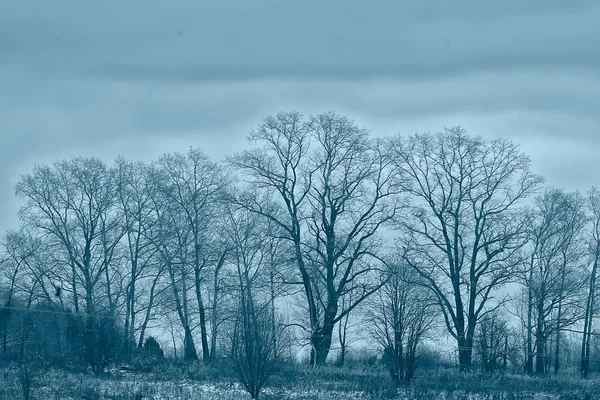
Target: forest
321 260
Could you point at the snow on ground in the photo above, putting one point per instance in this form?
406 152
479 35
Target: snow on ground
183 390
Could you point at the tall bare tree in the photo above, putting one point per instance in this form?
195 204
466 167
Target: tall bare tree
593 203
171 237
464 229
544 229
194 185
331 201
72 203
135 188
554 276
571 269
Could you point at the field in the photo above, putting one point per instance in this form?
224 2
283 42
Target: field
298 383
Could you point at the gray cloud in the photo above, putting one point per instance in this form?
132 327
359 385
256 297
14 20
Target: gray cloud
210 40
139 78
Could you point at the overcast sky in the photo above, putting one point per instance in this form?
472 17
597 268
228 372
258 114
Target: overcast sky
139 78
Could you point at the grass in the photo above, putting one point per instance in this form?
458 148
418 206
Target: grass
291 382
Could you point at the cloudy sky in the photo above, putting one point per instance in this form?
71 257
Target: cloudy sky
141 77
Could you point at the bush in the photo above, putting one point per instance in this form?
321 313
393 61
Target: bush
153 350
253 353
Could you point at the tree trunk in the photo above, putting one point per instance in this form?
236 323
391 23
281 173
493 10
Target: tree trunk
201 309
321 343
399 356
213 328
74 285
559 316
587 325
203 332
126 343
129 318
214 321
342 331
273 319
189 350
465 353
557 342
91 333
410 361
505 355
131 338
148 312
465 343
129 334
530 355
587 348
540 340
109 295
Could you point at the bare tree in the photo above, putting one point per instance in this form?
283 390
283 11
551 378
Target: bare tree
33 319
148 308
554 278
194 184
254 331
72 203
543 229
330 201
495 342
464 229
218 297
401 314
253 354
18 248
279 265
243 232
345 327
572 276
593 203
172 241
135 188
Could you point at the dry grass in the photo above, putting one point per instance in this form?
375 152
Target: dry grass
291 382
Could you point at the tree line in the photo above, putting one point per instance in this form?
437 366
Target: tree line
316 225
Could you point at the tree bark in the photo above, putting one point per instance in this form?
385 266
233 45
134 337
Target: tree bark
558 326
530 355
321 343
465 353
189 350
198 265
540 339
148 311
587 326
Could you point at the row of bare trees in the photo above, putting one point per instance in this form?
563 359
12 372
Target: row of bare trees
318 220
559 281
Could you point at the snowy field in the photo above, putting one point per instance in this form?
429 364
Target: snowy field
326 384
